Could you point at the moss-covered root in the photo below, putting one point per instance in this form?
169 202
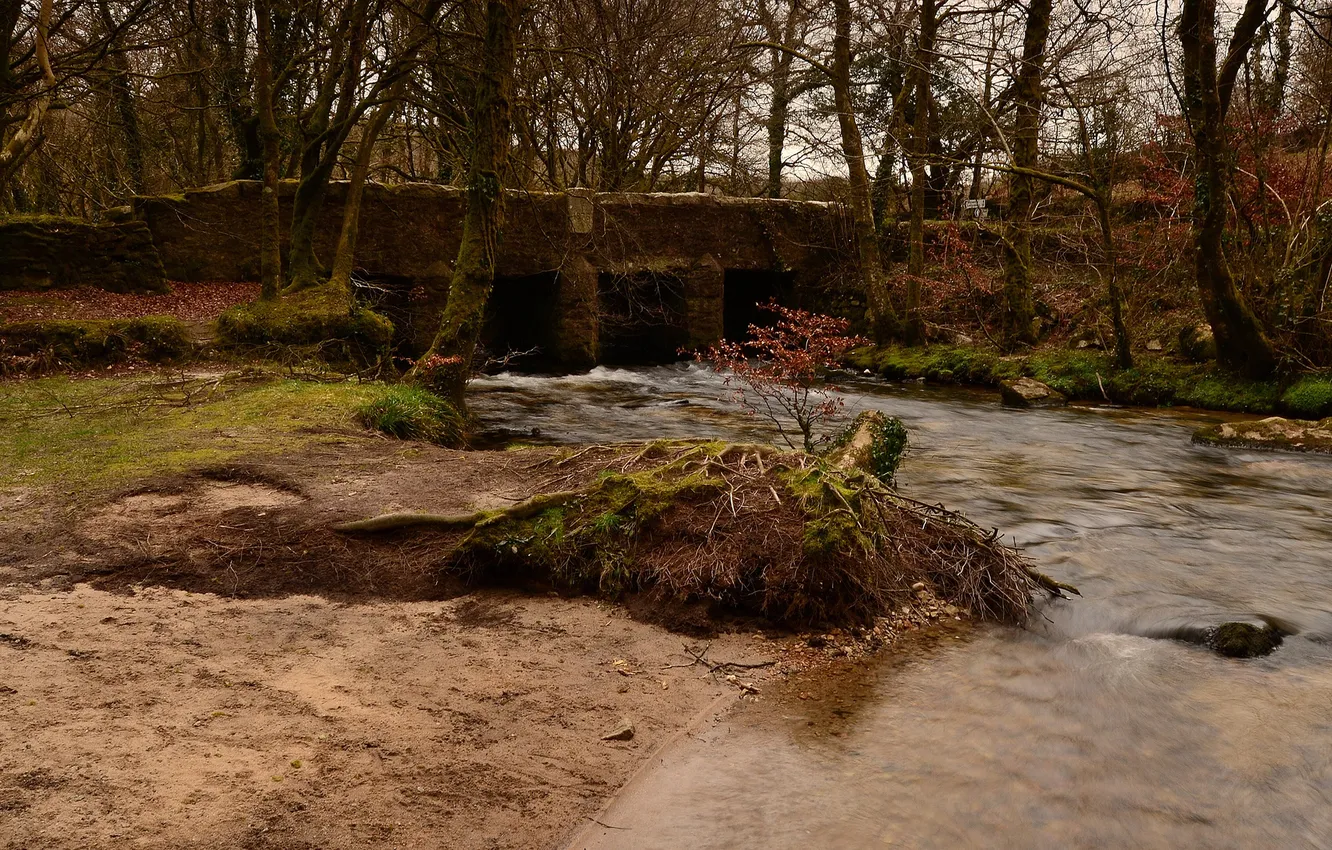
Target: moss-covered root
873 443
397 521
785 536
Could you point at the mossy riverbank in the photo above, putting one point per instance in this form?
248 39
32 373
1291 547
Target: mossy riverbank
74 435
1091 376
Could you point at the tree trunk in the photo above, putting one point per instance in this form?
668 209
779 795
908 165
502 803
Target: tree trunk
345 257
1028 97
1241 342
447 366
122 96
884 323
1123 346
24 140
914 329
270 219
323 138
781 81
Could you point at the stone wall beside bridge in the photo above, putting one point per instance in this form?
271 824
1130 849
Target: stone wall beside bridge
584 278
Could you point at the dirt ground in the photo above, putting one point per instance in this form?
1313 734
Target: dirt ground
172 719
166 681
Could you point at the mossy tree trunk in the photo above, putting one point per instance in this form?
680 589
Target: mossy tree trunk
777 112
344 259
1241 341
447 366
270 219
884 322
1028 99
343 97
914 329
331 119
783 32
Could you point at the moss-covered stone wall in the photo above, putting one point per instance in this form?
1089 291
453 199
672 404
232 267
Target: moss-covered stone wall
52 253
409 237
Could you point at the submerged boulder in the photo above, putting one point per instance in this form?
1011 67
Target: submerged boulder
1244 640
1273 433
1029 392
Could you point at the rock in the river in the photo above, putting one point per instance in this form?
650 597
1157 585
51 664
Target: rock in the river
1027 392
1273 433
1244 640
1197 343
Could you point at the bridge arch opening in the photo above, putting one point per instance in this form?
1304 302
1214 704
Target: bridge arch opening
643 318
520 330
745 291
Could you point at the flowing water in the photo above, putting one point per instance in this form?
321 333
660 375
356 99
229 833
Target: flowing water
1087 729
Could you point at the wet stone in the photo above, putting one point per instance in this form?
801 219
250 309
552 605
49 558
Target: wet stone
1243 640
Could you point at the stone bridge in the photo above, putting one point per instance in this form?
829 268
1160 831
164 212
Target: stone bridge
584 278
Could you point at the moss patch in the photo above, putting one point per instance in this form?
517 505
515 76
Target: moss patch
33 347
1154 382
314 323
747 528
1309 398
80 434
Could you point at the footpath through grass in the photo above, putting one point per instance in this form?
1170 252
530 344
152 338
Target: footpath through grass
71 434
1154 382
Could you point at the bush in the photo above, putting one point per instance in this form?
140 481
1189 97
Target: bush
411 413
80 344
1309 398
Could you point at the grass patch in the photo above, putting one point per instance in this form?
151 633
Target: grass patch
1086 376
412 413
77 434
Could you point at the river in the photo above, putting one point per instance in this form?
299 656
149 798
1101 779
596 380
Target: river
1086 729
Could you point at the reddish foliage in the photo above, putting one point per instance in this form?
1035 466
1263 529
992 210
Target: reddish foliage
779 372
190 302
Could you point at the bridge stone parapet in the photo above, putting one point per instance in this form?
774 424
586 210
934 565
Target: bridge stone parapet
584 277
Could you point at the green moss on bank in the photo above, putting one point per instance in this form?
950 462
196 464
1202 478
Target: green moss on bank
314 323
1087 376
39 346
79 434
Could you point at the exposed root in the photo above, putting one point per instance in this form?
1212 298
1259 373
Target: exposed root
523 510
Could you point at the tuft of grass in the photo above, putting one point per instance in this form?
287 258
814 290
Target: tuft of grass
412 413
